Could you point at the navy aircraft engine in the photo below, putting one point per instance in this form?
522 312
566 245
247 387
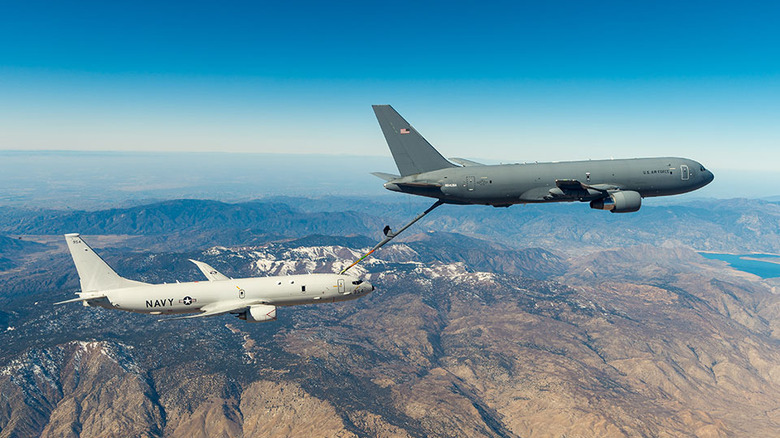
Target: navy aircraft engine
259 313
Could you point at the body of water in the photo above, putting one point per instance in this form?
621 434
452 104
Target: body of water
757 267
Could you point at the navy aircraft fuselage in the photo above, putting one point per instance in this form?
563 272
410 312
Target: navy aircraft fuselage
252 299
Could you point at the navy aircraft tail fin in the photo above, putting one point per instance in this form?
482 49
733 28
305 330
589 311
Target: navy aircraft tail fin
411 152
94 273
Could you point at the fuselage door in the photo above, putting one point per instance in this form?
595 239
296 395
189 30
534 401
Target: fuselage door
684 173
342 289
470 183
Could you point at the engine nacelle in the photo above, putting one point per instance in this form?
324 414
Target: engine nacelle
623 201
259 313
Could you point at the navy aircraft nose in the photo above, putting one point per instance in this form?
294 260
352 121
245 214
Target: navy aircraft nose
362 286
366 287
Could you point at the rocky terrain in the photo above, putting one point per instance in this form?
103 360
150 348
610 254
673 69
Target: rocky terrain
463 337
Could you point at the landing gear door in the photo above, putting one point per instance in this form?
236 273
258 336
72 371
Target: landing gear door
342 289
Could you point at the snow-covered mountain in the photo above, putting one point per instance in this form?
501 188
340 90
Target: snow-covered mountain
464 336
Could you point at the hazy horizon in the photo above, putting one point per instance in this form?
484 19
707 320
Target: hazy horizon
96 179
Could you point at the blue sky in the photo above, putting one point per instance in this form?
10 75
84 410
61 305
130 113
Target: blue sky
499 81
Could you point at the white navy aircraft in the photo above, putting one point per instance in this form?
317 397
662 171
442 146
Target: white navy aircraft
614 185
251 299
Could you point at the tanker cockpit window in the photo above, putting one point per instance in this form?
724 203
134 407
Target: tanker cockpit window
702 168
357 282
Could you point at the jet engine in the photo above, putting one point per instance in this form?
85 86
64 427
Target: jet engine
259 313
622 201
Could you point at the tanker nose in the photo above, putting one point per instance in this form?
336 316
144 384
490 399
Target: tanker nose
708 177
704 176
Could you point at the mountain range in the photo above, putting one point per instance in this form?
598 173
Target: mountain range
532 322
736 225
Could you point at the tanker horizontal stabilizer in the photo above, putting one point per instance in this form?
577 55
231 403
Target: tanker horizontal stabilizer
385 176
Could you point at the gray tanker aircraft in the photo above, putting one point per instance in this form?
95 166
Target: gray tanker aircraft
614 185
251 299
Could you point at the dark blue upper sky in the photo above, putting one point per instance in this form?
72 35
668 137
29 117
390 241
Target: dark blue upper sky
396 40
523 80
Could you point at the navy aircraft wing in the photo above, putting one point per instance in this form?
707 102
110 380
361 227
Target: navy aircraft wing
219 308
210 273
